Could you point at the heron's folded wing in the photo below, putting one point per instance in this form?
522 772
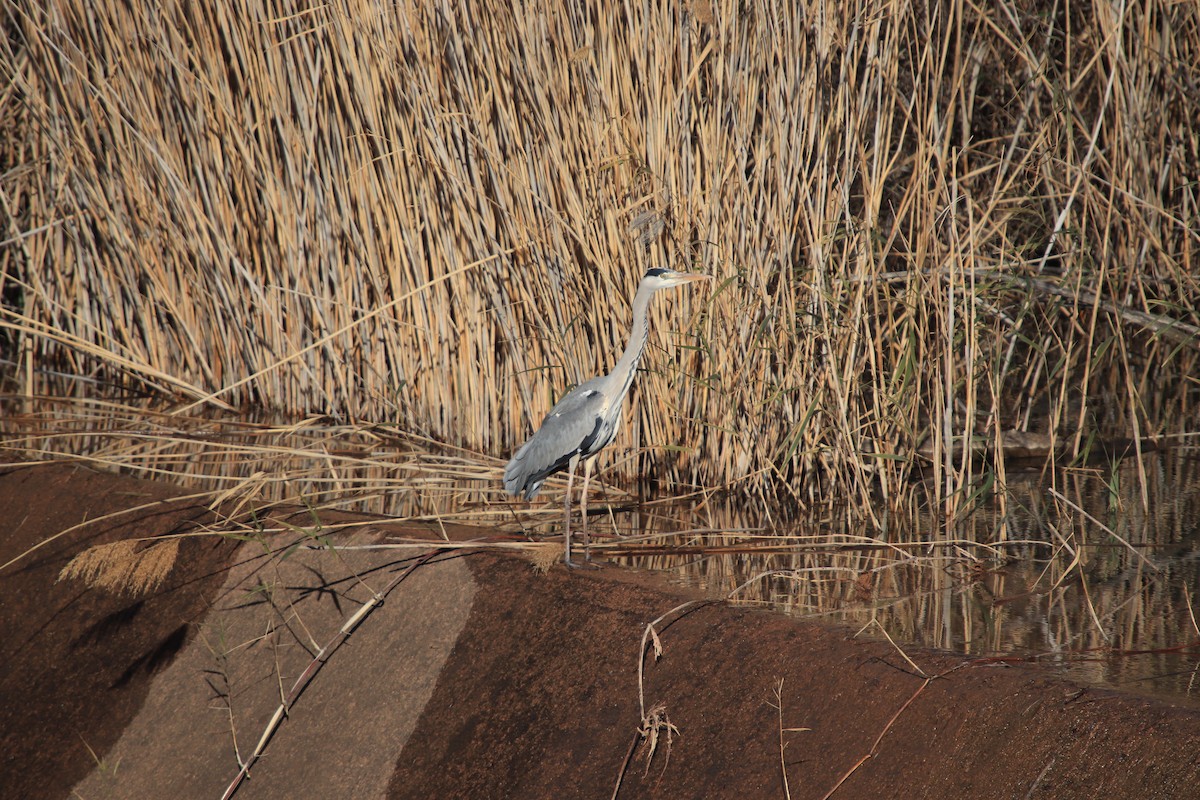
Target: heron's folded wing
570 428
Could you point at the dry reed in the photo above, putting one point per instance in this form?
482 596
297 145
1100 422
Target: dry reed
933 222
121 566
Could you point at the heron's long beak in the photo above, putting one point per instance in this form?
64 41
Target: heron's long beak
691 277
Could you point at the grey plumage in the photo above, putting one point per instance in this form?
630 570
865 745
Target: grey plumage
578 417
585 420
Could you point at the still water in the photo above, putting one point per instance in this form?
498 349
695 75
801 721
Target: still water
1070 568
1094 569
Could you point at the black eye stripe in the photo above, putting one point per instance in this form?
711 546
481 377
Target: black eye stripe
656 272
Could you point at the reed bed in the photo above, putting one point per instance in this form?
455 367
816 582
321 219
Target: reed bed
256 464
927 223
1083 574
1107 593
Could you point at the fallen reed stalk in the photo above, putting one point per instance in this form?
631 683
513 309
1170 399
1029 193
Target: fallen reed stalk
927 222
655 722
323 655
875 746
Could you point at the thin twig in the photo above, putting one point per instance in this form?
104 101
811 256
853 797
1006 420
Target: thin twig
313 668
875 746
1059 495
656 719
904 655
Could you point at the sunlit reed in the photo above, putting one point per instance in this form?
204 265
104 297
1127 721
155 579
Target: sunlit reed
928 224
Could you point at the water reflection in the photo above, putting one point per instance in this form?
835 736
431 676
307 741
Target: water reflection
1092 568
259 458
1068 568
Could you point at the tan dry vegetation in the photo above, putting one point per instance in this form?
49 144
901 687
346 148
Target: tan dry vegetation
924 221
1107 593
121 567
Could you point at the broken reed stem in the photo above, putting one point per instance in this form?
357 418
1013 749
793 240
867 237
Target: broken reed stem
650 635
875 745
651 723
466 267
633 743
1063 498
313 668
628 551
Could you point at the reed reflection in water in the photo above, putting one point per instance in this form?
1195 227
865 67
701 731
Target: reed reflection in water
1071 569
1068 566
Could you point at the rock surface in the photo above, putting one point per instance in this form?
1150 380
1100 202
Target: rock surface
480 678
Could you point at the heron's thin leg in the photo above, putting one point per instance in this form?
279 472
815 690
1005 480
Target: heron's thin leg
587 476
574 462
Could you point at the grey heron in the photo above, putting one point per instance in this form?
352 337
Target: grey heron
585 420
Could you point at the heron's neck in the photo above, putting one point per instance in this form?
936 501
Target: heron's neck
626 367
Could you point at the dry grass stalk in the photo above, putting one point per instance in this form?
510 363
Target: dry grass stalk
778 705
654 723
123 566
288 702
875 746
926 221
545 555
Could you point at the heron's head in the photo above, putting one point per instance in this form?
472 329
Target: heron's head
659 278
